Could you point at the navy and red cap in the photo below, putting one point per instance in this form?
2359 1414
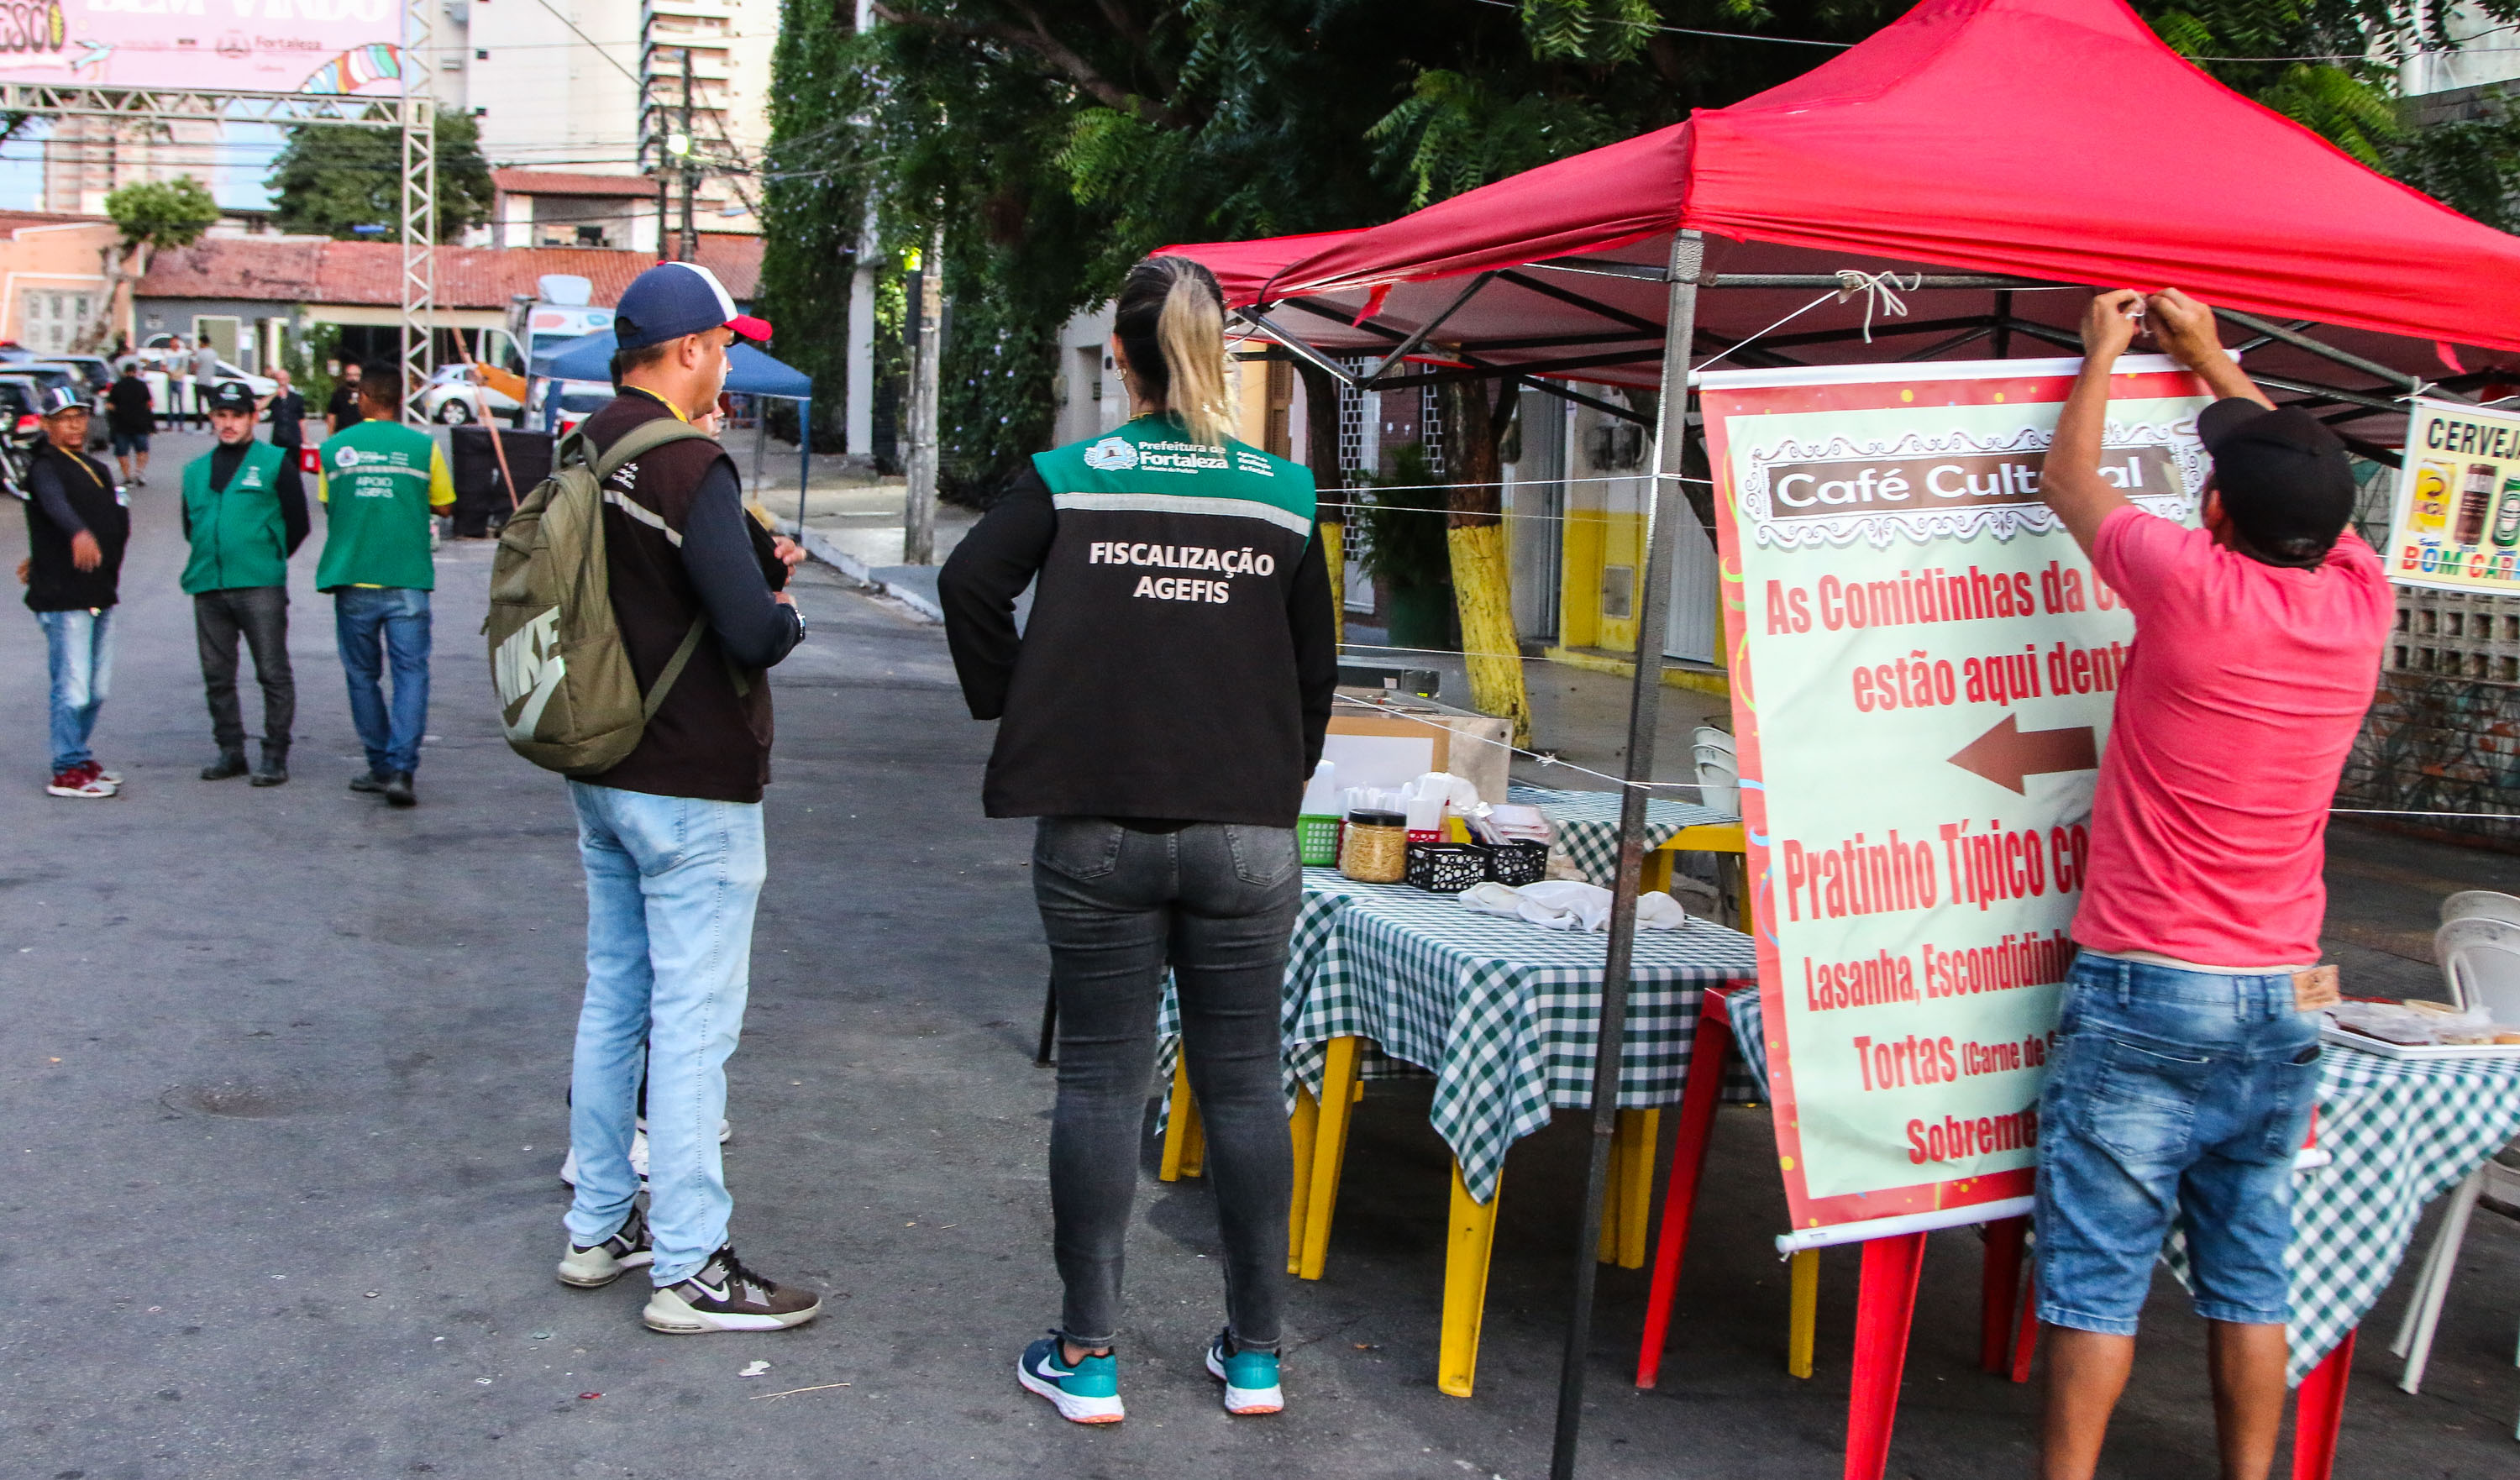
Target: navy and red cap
674 298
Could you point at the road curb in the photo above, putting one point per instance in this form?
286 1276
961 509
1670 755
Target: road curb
820 547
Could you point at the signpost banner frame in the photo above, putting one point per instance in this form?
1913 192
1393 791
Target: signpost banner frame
2454 519
1895 589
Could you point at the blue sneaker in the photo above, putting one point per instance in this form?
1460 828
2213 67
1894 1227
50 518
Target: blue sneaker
1087 1393
1250 1379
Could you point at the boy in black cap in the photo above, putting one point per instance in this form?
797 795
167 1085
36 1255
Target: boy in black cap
2189 1058
244 513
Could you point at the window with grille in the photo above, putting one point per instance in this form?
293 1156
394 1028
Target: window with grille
50 319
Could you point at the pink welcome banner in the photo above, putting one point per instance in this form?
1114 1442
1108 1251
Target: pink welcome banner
262 46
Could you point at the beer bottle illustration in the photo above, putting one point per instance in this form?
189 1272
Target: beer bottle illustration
2475 501
2506 513
2432 497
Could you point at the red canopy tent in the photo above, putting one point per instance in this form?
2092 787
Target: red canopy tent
1976 148
2041 140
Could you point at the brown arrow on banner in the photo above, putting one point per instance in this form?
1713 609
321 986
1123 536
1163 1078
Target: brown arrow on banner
2007 752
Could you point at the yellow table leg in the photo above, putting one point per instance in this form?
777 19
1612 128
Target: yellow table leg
1805 1319
1470 1241
1302 1128
1656 873
1614 1191
1177 1115
1640 1129
1329 1151
1194 1159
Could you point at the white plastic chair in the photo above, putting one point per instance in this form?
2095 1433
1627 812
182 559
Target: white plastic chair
1719 780
2480 904
1710 738
2480 959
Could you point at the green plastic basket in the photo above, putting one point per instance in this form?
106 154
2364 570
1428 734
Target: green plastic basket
1316 839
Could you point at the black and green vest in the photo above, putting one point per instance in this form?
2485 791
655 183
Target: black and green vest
1157 676
238 538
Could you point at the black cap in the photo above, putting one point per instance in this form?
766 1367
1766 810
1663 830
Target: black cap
2283 478
232 395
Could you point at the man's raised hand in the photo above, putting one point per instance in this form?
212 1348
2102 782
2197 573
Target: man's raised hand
2109 322
2182 326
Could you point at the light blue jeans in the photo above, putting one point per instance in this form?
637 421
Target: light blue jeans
671 884
394 619
80 646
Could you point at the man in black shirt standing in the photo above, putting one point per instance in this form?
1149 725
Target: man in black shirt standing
76 526
343 410
288 410
130 416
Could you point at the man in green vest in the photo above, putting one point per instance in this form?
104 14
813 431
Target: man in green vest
244 513
381 482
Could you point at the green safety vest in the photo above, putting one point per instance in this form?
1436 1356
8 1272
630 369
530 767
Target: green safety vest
238 538
376 507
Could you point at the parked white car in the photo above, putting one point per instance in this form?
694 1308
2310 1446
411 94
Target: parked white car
560 405
153 354
454 397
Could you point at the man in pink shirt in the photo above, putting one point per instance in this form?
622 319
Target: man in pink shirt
2189 1058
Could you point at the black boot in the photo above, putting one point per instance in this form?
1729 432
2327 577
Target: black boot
398 789
274 769
230 763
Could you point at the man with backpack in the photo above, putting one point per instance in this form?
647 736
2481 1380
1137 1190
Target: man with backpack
244 515
381 482
666 762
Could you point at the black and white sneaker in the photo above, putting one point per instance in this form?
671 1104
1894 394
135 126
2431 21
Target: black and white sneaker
725 1296
593 1265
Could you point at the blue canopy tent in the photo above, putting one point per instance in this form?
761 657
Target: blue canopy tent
749 373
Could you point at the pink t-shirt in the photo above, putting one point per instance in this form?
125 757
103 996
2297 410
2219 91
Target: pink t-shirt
2244 691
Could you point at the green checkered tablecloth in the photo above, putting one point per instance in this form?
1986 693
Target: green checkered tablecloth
2399 1134
1502 1013
1588 823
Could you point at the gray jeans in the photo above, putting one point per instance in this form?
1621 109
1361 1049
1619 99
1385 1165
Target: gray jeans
1215 901
260 613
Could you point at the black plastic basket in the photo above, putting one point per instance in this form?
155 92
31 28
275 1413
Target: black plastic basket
1516 863
1446 868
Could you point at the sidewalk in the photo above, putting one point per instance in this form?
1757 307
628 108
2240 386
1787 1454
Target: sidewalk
852 520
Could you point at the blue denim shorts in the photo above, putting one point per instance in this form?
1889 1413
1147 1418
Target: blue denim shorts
2171 1091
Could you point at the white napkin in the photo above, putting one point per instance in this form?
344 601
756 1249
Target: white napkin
1565 905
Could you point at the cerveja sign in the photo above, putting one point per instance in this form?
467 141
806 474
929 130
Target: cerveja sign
1922 668
2457 524
270 46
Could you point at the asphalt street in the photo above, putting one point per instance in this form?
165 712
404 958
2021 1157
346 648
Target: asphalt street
283 1104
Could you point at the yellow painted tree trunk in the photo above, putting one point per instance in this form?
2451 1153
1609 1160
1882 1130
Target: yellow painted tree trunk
1482 579
1333 551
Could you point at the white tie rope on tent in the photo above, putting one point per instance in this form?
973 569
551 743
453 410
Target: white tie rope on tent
1880 289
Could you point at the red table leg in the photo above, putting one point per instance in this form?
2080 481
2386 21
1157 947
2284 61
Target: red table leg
2025 1337
2318 1409
1697 1097
1999 1287
1884 1306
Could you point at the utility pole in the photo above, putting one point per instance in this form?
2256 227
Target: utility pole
918 511
690 167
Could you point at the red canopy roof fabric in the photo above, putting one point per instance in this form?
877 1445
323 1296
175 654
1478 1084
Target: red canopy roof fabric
2050 139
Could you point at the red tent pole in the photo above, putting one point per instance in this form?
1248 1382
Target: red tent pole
1645 710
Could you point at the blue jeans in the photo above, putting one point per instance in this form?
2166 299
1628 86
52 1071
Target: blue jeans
80 646
2171 1091
671 884
395 620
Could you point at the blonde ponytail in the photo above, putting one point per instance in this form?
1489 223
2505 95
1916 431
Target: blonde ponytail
1171 321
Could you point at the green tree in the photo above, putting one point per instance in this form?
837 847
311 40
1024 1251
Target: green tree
147 215
332 178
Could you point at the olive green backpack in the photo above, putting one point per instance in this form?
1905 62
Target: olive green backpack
568 698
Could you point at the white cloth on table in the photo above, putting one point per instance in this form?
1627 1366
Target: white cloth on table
1566 905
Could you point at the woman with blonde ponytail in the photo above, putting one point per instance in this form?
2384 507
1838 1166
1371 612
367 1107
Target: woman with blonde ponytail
1159 713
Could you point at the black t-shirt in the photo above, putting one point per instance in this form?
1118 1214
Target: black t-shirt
288 409
73 491
344 407
129 408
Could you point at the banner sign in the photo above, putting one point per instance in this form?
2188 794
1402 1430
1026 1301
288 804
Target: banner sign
263 46
2458 520
1922 667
